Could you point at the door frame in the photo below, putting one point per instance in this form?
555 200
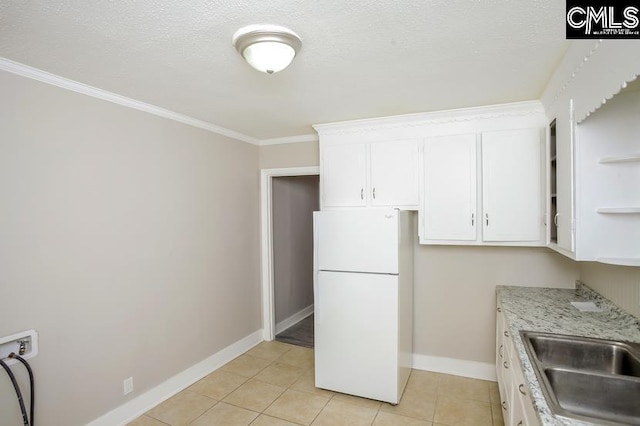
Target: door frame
266 230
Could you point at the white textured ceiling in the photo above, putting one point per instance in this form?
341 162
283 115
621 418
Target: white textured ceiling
359 58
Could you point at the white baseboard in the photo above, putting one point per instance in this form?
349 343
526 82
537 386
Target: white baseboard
456 367
294 319
143 403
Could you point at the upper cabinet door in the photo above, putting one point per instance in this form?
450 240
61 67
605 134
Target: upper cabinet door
343 175
394 173
511 185
449 205
563 218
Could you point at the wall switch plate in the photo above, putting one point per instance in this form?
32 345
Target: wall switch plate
128 385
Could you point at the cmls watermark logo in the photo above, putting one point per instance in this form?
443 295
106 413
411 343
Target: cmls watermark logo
603 19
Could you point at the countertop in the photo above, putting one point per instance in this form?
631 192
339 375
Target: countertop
549 310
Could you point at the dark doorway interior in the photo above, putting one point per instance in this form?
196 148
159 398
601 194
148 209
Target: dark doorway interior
294 199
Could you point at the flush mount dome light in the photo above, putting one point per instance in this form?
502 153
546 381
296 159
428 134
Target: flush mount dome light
267 48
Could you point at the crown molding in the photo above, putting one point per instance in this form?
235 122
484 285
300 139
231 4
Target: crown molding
610 70
591 74
515 109
583 115
290 139
65 83
574 73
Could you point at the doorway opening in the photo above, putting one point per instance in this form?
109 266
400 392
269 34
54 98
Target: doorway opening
289 196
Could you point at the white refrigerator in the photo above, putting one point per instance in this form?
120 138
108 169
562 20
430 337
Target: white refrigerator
363 289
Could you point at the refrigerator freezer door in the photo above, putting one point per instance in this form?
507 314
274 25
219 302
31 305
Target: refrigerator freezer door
357 241
356 334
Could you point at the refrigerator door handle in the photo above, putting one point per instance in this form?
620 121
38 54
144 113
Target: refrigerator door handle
316 304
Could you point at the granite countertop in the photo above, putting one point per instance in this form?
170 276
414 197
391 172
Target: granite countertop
549 310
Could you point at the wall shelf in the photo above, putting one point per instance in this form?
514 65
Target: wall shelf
619 210
633 158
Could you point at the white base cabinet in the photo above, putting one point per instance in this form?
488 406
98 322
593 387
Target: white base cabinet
517 408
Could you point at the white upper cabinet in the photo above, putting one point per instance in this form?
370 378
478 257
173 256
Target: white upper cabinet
512 185
344 175
377 174
475 175
595 108
608 181
449 208
561 180
484 188
394 173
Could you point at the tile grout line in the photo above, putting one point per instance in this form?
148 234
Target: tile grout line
322 409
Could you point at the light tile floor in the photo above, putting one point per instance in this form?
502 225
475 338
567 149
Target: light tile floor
273 385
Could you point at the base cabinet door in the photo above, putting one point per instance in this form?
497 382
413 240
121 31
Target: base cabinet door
517 408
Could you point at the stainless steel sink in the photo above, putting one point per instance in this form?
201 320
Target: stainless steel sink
583 353
587 379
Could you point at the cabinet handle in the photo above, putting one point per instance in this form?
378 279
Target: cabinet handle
499 309
506 334
521 388
486 218
362 193
374 193
504 405
473 219
500 350
555 219
519 423
505 365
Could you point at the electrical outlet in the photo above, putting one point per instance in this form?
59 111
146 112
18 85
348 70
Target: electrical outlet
128 385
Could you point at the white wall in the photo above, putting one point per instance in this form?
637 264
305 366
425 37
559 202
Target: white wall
130 242
294 199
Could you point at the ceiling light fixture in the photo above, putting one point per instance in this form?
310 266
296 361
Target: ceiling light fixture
267 48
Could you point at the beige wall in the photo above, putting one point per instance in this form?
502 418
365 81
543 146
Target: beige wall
301 154
455 288
128 241
294 199
620 284
454 306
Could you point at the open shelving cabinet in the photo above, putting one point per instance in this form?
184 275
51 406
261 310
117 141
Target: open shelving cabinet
608 181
